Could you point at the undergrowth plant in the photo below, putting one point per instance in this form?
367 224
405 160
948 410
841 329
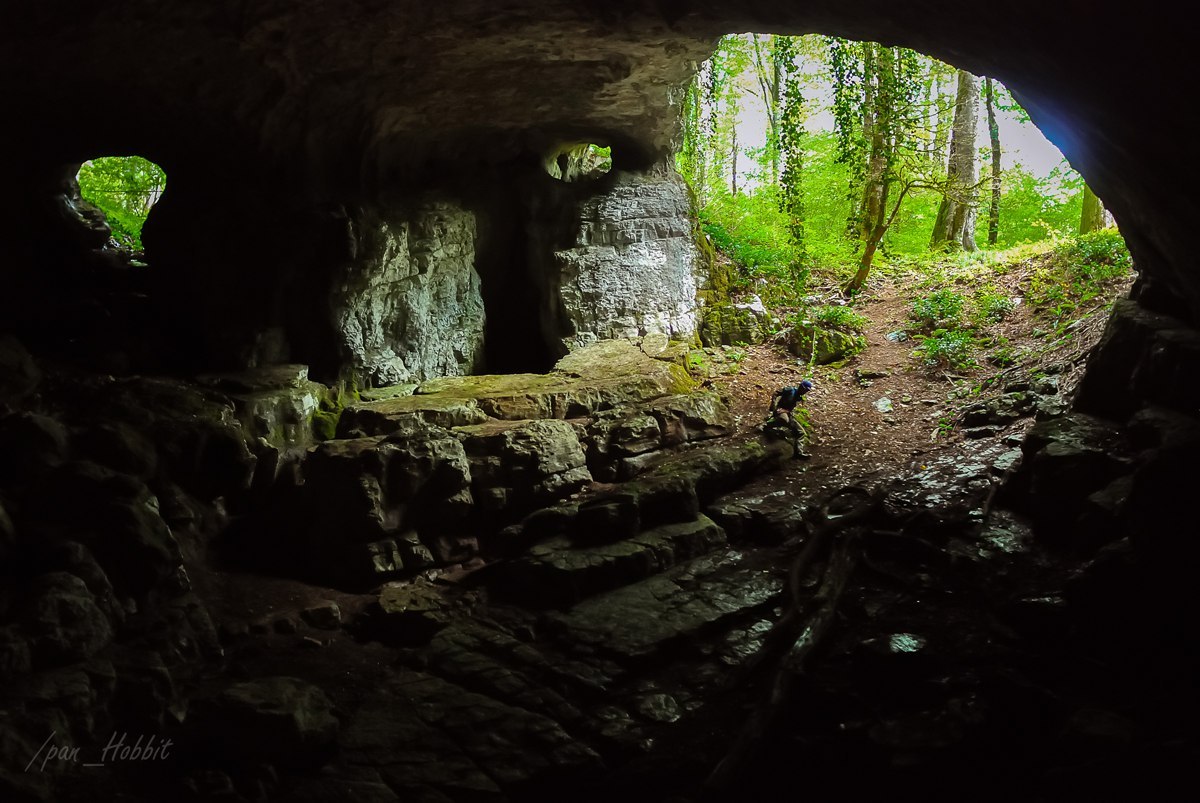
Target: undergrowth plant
1077 272
941 309
839 317
947 349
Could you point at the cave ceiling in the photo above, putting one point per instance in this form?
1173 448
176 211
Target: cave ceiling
332 96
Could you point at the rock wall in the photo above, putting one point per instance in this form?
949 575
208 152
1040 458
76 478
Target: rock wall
631 269
408 306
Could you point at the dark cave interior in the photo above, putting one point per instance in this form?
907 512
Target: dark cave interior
366 195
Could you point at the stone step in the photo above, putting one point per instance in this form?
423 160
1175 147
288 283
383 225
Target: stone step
660 612
558 571
669 492
764 517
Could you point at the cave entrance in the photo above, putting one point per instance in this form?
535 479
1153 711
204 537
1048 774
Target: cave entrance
869 194
124 189
584 161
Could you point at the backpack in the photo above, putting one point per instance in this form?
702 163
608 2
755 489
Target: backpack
788 397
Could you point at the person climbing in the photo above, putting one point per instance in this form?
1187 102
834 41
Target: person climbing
781 416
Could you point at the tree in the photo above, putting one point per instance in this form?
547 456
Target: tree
769 70
997 185
955 225
1093 217
878 119
124 188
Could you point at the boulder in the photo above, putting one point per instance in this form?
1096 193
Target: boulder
616 436
824 346
1066 459
120 447
1121 372
279 720
734 325
115 516
517 465
63 621
201 443
1003 409
366 497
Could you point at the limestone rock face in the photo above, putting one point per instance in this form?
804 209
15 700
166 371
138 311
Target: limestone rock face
372 501
734 324
517 465
408 306
632 267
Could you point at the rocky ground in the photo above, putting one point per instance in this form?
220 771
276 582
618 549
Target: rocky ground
592 667
704 618
883 413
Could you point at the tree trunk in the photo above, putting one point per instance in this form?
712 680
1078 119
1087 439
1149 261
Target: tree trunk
769 71
941 136
882 224
874 202
733 154
955 224
994 130
1093 217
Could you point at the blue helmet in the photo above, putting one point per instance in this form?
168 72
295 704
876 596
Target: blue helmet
805 385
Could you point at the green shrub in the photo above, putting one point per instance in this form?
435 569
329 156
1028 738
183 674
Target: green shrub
940 309
947 348
1077 272
991 306
1099 256
839 317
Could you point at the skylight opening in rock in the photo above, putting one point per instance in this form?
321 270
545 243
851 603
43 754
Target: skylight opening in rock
124 189
580 162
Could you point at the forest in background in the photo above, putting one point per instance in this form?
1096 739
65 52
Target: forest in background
868 159
818 163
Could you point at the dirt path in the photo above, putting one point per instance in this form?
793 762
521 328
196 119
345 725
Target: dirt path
854 440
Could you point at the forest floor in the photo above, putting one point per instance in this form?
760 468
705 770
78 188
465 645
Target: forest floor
883 412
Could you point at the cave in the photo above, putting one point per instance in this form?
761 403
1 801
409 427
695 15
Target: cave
396 318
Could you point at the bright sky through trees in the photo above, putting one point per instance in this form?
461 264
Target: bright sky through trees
1022 143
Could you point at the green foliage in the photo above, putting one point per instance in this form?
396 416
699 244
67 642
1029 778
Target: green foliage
1003 356
785 224
753 232
124 188
947 348
601 157
1033 209
991 306
939 309
1077 272
839 317
1099 256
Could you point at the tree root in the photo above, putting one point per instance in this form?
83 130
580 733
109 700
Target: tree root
801 629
